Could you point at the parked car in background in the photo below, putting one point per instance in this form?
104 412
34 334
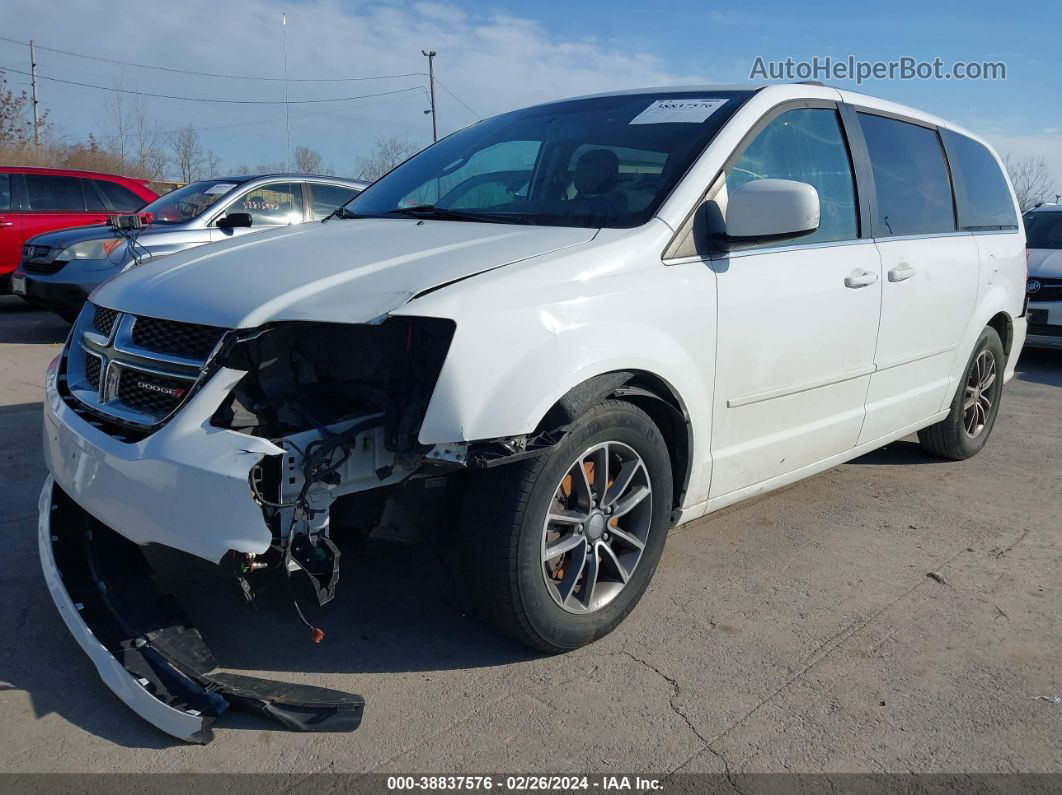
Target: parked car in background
60 269
582 323
1043 229
36 200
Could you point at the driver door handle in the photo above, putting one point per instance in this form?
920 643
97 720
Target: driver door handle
901 273
860 278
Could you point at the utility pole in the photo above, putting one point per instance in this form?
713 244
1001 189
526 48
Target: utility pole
33 89
431 84
287 107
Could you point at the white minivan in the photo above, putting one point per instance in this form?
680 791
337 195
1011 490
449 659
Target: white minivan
570 327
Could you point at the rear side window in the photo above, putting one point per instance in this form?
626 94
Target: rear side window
5 191
122 199
910 178
982 197
48 193
275 204
327 197
806 145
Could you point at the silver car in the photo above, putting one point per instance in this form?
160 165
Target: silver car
59 269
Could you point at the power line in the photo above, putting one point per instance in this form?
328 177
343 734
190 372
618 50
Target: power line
263 122
214 74
204 99
452 94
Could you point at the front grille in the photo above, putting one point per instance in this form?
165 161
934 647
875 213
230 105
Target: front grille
92 370
103 320
149 393
43 267
190 340
131 382
1050 290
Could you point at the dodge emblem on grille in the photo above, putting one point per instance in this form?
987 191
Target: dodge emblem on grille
172 391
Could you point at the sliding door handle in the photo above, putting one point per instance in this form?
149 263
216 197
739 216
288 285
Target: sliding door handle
901 273
860 278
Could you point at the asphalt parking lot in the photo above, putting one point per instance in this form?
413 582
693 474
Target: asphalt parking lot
799 632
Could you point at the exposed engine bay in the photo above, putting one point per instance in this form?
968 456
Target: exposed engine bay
345 404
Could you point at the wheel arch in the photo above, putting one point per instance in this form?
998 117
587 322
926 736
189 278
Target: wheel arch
652 394
1004 326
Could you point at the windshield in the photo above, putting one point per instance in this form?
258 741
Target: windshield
598 162
1043 229
186 203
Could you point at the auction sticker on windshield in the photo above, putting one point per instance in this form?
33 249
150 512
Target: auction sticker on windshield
221 187
667 111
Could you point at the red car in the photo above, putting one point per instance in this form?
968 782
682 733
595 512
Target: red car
38 200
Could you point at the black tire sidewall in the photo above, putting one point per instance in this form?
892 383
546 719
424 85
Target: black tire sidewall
610 422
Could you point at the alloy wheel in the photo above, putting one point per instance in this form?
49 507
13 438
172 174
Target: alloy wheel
597 526
979 393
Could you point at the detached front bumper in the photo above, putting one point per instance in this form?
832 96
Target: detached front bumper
143 646
185 486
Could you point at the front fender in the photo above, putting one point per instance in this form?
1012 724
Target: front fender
506 369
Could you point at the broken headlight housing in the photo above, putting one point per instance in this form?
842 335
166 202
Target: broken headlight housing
312 375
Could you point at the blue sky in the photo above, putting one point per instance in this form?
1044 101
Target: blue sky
500 54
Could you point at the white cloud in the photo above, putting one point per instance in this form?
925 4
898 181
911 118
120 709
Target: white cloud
1045 143
494 62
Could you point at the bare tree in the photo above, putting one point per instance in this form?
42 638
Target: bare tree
189 158
386 153
134 137
261 167
307 160
16 117
1031 179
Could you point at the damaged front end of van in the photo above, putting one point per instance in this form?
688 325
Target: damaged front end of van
231 446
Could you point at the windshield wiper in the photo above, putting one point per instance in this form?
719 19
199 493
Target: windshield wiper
430 211
342 213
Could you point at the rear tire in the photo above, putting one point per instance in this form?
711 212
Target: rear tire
614 527
965 430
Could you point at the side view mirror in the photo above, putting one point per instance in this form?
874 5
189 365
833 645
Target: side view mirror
771 210
234 220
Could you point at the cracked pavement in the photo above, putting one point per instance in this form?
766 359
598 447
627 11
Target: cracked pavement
798 632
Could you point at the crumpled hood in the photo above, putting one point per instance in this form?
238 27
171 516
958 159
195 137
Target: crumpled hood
1045 263
343 271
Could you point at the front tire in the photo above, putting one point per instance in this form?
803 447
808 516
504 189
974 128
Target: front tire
560 548
968 425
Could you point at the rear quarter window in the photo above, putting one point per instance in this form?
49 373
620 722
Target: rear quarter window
982 196
5 192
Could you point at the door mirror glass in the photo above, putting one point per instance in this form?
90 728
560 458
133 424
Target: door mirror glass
771 210
234 220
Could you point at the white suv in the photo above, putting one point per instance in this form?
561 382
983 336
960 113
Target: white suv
579 324
1043 230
